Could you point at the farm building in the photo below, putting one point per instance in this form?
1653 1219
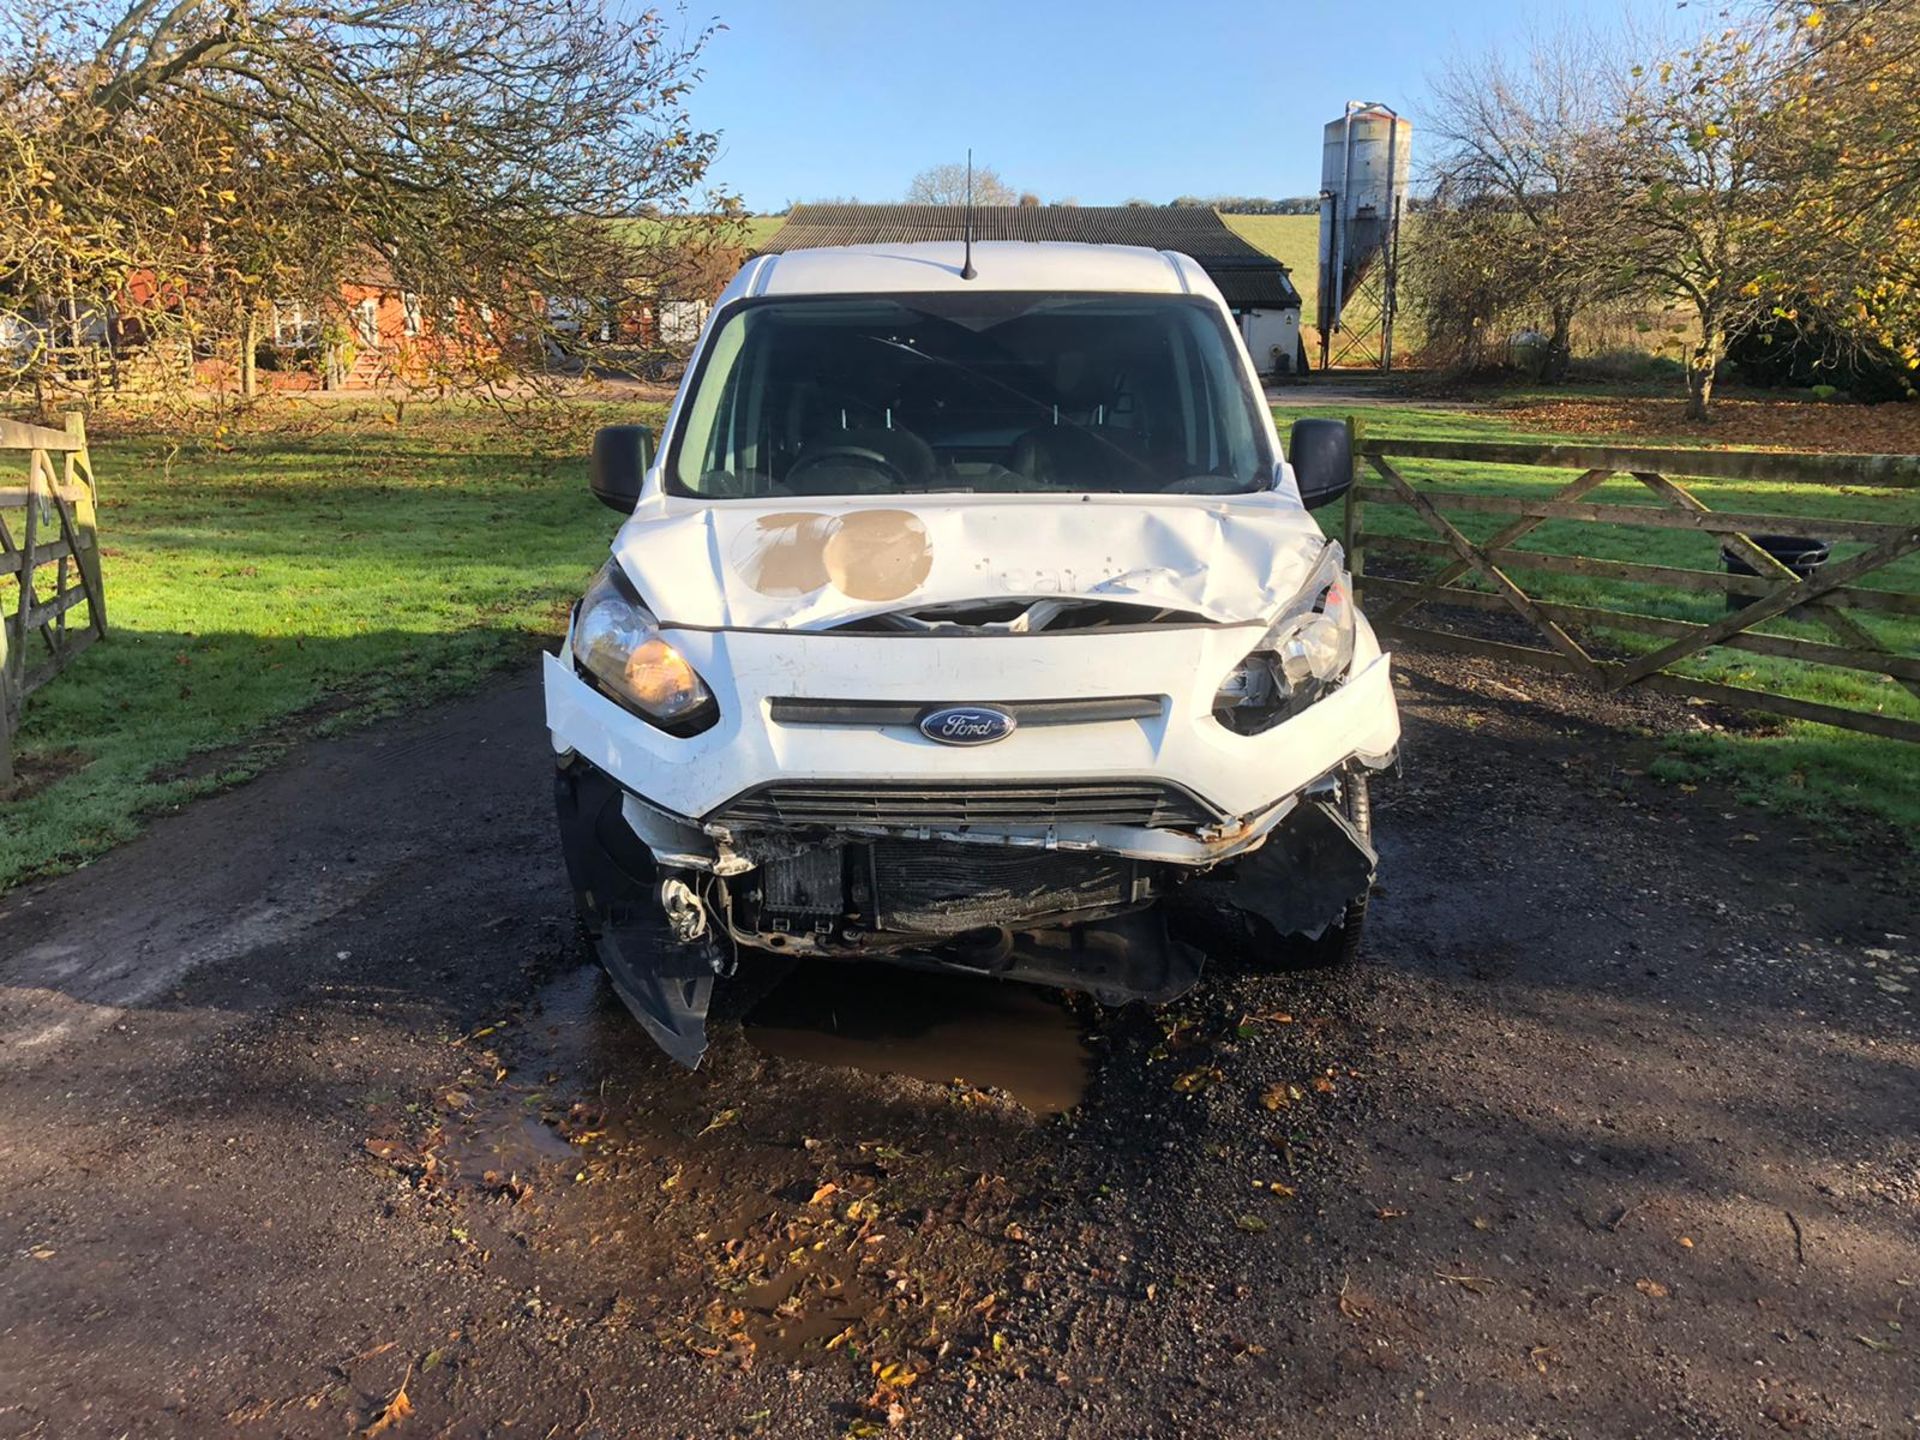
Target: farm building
1257 287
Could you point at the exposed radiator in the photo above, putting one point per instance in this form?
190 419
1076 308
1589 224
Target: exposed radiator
942 888
810 883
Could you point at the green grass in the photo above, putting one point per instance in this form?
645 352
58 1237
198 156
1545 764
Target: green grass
322 567
760 229
1293 240
1811 769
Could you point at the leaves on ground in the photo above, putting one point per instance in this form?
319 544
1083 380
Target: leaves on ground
395 1410
1199 1079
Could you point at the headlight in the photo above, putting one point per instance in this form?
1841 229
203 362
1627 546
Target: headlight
616 641
1307 651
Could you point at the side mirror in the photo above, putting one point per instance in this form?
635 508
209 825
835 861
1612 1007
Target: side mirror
621 455
1321 454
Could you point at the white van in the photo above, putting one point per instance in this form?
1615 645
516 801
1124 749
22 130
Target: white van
968 615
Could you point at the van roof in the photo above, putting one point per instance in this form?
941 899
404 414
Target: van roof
999 265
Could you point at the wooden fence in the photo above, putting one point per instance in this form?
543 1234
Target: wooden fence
1398 573
47 524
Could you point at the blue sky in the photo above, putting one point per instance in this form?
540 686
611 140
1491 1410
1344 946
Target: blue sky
1097 99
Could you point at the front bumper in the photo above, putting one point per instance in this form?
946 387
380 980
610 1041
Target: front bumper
640 808
1246 781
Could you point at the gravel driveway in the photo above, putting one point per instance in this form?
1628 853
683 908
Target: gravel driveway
313 1121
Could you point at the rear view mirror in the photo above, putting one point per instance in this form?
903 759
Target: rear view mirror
621 455
1321 454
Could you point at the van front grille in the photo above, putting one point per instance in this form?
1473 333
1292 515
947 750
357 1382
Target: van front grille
1141 804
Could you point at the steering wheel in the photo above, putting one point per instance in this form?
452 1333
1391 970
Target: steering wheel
863 456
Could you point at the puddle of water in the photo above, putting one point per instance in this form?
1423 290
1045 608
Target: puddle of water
800 1309
888 1020
501 1146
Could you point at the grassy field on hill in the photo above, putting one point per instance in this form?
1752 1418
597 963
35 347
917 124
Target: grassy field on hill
1293 240
760 229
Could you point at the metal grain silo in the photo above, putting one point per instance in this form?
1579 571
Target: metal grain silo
1366 156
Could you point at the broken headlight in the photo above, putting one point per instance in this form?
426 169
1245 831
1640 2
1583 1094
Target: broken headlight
617 645
1307 652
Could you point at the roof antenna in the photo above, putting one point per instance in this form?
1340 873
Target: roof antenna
967 272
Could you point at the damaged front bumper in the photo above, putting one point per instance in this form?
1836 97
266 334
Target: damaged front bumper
667 902
1044 857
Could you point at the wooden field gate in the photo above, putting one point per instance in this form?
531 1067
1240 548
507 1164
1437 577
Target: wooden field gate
50 550
1480 576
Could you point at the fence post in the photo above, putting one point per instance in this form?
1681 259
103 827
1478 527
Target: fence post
86 520
1351 534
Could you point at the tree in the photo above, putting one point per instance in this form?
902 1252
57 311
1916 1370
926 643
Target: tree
947 185
1848 135
1714 181
1526 225
202 154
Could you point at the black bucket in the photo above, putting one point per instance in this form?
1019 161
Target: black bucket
1802 557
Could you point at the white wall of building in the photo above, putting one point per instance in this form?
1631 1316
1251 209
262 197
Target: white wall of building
1273 339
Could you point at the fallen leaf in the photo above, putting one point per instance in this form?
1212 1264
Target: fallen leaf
1252 1224
1653 1289
1277 1096
1323 1085
395 1410
1885 1347
720 1121
823 1192
1686 1241
1199 1079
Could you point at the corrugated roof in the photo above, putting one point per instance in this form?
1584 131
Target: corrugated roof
1248 278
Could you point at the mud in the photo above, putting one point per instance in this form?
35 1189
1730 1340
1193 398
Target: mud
309 1096
987 1034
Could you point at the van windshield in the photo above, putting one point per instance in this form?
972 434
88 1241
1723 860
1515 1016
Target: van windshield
989 392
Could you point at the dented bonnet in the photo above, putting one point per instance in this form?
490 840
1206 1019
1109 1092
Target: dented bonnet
783 564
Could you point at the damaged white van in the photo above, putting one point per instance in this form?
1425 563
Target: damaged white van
967 615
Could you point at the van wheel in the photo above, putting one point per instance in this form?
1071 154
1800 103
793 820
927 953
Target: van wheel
1339 943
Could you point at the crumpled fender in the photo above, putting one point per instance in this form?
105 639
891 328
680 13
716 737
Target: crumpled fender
666 983
1303 878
